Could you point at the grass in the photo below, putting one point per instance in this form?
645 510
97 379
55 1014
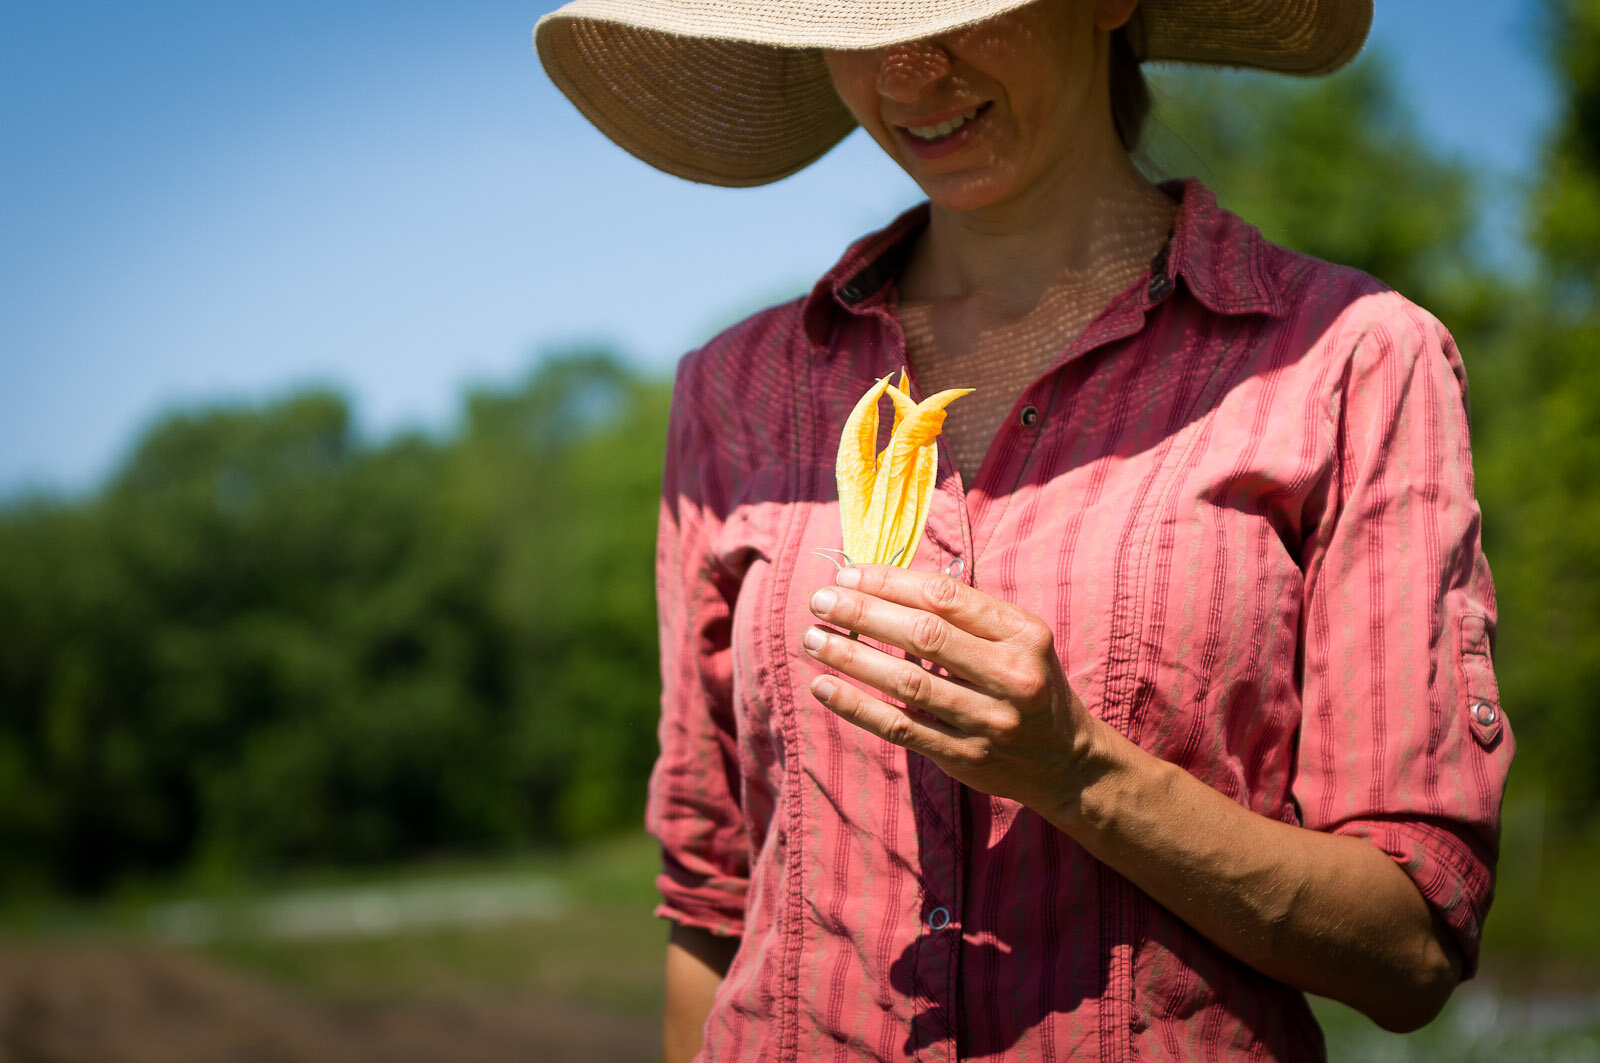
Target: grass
1478 1026
602 949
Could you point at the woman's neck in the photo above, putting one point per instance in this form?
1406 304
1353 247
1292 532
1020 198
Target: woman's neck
1092 223
997 295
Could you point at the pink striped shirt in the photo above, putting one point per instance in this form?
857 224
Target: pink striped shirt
1242 499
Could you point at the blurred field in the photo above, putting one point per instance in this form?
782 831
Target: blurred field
368 972
580 982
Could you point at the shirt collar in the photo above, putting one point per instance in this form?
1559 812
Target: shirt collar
1221 258
859 280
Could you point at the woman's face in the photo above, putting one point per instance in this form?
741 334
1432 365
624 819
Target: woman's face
980 115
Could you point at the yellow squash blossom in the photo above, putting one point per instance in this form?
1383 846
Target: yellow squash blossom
884 498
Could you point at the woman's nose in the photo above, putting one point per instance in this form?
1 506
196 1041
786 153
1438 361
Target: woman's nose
908 69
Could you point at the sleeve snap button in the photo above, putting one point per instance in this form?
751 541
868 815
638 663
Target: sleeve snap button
1029 416
939 918
953 568
1485 713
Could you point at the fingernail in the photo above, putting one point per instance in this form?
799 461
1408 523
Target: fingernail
847 577
823 688
815 639
823 600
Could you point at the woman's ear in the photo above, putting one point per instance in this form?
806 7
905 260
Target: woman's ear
1113 14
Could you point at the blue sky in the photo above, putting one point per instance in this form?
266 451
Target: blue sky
216 201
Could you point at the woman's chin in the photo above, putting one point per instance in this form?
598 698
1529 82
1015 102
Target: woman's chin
973 179
964 192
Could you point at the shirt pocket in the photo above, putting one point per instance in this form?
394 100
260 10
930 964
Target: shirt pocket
1479 693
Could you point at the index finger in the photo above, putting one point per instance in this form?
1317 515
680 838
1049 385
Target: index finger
967 608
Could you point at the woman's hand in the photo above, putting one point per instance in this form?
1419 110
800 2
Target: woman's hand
1327 913
1003 720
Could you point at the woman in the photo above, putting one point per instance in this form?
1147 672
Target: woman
1196 644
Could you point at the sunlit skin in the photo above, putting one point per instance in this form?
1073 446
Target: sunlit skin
1038 218
1326 913
1037 77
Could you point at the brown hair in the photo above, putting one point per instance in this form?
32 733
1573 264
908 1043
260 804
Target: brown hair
1130 96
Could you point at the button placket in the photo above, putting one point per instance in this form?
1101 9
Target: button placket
934 959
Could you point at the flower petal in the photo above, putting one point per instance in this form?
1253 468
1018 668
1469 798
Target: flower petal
903 403
920 500
855 471
905 504
884 498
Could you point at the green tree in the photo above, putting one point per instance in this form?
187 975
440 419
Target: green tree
267 641
563 477
1538 479
1336 168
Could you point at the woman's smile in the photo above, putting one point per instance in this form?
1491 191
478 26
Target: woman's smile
934 138
980 115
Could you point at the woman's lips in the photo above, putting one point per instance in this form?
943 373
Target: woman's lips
942 136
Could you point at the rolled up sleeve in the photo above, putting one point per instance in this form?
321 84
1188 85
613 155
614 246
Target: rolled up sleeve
1403 739
693 808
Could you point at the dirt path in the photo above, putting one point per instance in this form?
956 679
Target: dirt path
62 1004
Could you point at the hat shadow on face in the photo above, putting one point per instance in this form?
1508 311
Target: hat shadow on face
738 94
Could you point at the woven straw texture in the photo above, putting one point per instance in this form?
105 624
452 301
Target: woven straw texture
736 93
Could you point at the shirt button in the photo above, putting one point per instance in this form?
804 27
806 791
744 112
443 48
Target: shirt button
1029 416
939 918
849 293
953 568
1485 713
1160 287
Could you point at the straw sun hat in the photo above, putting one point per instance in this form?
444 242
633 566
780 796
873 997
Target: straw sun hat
735 92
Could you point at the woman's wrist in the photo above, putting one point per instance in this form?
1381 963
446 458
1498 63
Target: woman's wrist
1099 775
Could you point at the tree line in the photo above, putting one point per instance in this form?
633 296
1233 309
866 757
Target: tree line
267 640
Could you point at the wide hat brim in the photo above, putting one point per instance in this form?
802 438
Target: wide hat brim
735 92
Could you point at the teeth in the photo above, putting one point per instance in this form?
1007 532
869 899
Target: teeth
942 129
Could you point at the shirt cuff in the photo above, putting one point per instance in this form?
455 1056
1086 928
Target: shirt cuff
1450 867
712 904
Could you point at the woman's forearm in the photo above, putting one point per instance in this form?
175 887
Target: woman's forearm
1329 914
697 960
